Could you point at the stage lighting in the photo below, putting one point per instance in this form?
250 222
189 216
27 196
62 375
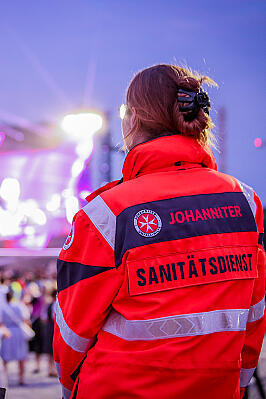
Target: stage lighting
10 190
54 203
2 138
77 167
9 224
83 194
29 230
84 149
82 124
72 207
38 217
67 192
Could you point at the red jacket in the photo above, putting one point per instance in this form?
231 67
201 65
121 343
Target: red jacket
161 282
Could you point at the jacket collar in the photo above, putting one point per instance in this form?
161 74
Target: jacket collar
163 152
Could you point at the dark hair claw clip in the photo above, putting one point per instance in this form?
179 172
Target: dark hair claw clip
203 101
194 101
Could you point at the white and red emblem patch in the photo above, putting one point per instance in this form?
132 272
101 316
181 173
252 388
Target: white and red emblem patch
147 223
70 238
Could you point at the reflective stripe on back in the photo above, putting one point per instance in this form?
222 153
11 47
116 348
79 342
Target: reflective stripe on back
177 326
256 311
66 393
103 219
77 343
58 369
245 376
249 194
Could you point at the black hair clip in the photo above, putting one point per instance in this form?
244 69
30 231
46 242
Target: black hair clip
203 101
194 101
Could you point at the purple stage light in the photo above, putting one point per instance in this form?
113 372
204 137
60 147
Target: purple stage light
2 138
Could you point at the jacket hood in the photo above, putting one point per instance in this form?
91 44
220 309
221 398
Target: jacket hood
163 153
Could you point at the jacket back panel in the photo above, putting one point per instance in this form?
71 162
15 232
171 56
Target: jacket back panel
200 256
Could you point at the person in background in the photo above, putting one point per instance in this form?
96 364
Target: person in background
14 347
50 334
37 343
3 290
161 280
4 333
2 393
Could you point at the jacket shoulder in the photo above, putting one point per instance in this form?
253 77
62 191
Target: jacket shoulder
248 191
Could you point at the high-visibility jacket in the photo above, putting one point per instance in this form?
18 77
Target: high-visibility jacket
161 282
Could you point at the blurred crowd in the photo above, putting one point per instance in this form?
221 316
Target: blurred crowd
27 306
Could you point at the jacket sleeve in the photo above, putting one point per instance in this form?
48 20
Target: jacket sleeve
256 319
88 282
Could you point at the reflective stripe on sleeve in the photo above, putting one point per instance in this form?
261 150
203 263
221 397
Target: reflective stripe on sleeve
245 376
256 311
177 326
249 194
103 219
66 393
58 369
79 344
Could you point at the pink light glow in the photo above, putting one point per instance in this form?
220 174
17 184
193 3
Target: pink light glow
257 142
2 138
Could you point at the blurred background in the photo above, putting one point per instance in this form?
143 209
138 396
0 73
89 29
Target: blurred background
65 66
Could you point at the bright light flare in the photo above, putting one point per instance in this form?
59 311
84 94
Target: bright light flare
72 207
31 210
27 206
38 217
9 224
29 230
77 167
68 192
122 111
34 241
54 203
84 194
84 149
10 189
80 125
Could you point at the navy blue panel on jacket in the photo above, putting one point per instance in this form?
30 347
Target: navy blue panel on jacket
182 217
69 273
